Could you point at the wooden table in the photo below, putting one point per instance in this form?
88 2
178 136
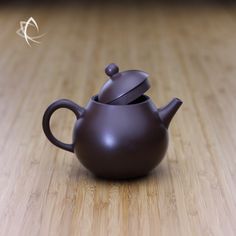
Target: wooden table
189 52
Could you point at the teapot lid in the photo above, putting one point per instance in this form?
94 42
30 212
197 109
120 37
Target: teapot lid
123 87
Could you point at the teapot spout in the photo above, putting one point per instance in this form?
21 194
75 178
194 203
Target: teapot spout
167 113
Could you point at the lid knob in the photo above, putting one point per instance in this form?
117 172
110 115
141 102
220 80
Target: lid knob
111 69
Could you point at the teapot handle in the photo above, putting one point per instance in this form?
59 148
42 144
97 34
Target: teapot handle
62 103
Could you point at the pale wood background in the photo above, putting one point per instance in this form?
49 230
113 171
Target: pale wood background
189 52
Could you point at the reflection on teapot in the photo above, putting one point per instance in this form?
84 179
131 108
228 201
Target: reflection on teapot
120 134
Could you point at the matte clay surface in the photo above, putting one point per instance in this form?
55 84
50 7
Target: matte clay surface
128 141
190 52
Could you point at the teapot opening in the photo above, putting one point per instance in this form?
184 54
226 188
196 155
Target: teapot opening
141 99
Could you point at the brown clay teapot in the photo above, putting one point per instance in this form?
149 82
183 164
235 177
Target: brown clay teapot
117 141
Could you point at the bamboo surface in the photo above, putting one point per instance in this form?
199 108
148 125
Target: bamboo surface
189 52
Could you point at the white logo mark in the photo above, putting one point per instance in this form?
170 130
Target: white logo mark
23 31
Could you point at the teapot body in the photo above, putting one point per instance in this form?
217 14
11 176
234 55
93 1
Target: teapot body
120 141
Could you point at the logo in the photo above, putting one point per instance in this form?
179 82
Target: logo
22 31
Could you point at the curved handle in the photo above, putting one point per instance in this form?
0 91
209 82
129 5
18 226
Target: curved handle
62 103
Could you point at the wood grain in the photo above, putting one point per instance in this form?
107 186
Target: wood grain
189 52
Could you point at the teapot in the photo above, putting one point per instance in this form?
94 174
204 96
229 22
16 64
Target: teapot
120 133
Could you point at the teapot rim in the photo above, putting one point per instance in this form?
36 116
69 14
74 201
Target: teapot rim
94 99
